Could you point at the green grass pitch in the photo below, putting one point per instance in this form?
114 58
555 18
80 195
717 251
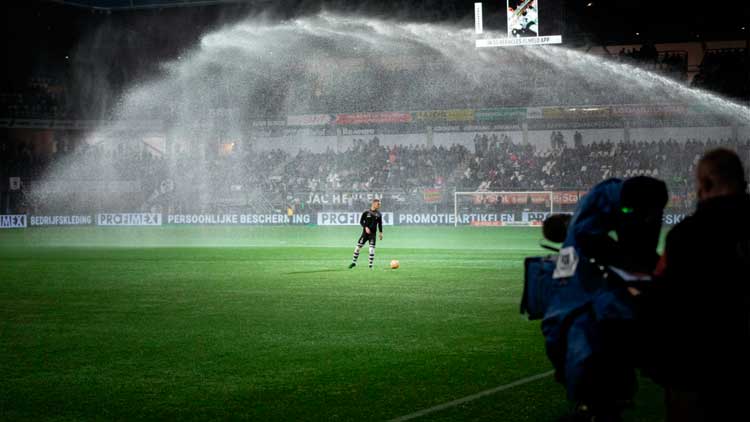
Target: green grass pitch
267 323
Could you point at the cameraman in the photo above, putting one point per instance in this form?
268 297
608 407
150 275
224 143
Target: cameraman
696 316
588 318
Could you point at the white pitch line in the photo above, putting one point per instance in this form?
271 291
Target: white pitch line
471 397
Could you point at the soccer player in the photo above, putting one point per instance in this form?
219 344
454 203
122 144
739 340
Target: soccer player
370 221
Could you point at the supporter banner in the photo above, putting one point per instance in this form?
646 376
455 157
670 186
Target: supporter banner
370 118
348 218
643 110
446 128
268 123
128 219
523 199
346 198
450 219
433 195
490 114
549 124
558 198
575 112
61 220
511 198
347 131
309 120
700 109
13 221
476 128
508 127
534 113
458 115
567 197
238 219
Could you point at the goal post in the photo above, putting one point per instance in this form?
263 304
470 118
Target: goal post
505 208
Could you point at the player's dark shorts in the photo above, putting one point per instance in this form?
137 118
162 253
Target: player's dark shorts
367 238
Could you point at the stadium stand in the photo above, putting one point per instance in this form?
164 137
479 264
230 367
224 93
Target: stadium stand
725 71
495 164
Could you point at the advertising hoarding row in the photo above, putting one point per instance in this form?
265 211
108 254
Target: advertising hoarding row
333 218
486 115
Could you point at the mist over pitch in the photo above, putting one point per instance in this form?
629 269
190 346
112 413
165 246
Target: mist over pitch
330 63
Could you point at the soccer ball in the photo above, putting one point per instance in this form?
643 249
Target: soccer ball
394 264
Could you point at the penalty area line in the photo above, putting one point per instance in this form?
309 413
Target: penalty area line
471 397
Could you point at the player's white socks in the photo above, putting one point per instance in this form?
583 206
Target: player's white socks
372 254
356 254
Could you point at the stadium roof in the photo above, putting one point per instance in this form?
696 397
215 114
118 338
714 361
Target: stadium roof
146 4
600 21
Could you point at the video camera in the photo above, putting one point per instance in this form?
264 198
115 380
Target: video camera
614 233
579 292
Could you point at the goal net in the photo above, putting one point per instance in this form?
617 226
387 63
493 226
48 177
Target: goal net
502 208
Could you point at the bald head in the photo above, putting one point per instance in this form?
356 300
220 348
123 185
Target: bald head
720 173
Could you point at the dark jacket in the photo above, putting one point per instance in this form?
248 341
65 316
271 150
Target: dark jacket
697 316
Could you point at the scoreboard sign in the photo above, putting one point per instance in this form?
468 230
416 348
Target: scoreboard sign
523 26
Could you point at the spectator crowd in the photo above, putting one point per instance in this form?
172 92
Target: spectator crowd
495 164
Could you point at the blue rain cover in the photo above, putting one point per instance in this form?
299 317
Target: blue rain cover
577 305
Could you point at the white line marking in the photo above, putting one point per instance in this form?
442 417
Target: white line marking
472 397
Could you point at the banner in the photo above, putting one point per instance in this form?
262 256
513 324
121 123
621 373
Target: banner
13 221
128 219
456 115
371 118
433 195
348 218
524 199
345 198
558 198
567 197
61 220
237 219
268 123
534 113
557 124
645 110
504 113
309 120
576 112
